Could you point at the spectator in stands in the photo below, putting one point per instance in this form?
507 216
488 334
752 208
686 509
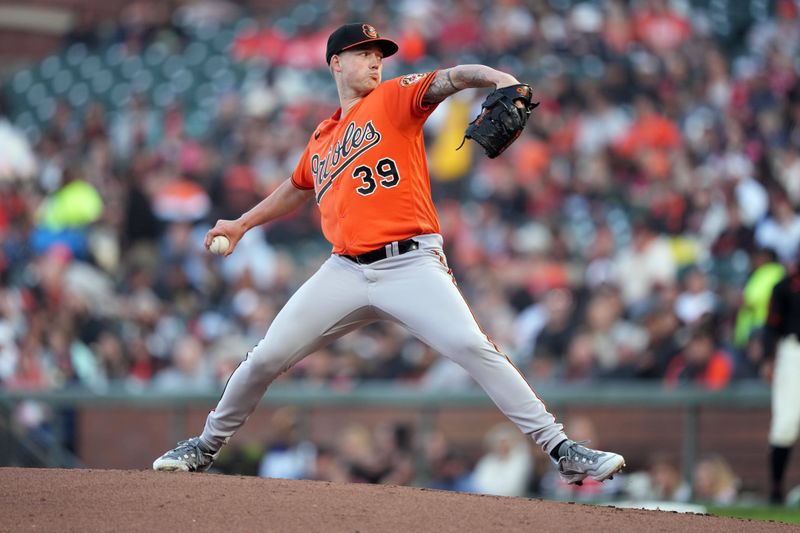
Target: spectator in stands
190 372
452 472
781 230
327 466
702 362
356 451
734 234
645 265
666 481
662 482
394 453
616 342
545 328
659 27
601 126
505 468
650 137
286 457
697 299
111 357
446 466
789 170
135 129
714 482
600 263
662 326
751 196
766 273
580 364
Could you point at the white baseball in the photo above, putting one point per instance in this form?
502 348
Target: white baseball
219 245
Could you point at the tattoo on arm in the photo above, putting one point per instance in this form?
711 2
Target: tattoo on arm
450 79
468 76
440 88
475 76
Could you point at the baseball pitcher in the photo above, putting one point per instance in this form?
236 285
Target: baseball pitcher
365 167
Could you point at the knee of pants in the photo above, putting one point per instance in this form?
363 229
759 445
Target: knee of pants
266 361
468 347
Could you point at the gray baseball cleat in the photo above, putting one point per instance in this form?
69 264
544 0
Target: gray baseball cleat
580 462
191 455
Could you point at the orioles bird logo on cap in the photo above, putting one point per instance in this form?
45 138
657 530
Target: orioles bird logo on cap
369 31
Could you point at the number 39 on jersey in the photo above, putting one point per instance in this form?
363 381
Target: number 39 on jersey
386 172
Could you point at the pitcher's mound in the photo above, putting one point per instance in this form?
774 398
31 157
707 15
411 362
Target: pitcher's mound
113 500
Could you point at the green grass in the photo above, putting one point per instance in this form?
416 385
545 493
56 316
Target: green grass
778 514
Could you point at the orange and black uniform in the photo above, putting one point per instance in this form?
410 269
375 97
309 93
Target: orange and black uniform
368 169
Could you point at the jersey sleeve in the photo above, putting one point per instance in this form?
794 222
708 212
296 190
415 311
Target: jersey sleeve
301 177
403 99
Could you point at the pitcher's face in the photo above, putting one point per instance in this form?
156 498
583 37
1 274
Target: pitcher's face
361 68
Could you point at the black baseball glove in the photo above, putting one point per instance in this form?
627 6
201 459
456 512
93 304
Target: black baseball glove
501 121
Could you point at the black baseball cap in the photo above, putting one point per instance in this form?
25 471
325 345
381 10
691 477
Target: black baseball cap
354 34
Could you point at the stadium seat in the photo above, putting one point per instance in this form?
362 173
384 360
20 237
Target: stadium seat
156 54
75 54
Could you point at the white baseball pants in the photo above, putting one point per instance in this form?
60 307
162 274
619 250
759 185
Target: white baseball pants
785 424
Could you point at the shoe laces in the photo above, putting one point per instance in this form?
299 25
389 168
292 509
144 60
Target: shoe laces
192 446
576 451
189 443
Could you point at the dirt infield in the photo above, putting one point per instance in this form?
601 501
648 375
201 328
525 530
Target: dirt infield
114 500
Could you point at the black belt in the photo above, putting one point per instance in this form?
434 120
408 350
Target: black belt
390 250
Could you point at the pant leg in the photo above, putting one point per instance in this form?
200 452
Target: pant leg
331 303
785 423
417 291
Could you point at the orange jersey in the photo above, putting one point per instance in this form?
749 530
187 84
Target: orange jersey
368 170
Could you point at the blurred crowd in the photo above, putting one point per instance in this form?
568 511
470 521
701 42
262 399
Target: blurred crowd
634 231
506 463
